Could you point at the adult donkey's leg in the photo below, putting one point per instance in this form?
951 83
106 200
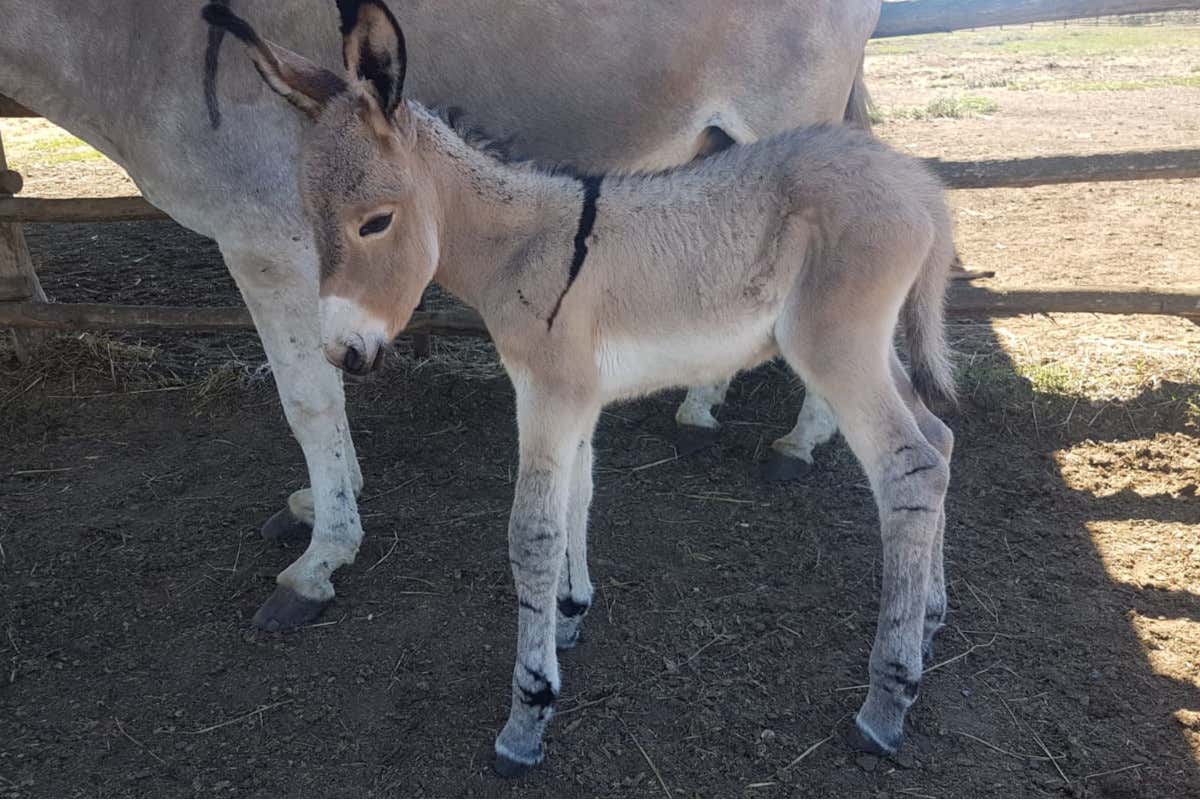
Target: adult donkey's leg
281 293
551 429
294 522
695 412
792 455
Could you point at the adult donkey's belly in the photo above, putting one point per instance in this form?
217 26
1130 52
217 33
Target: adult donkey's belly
618 86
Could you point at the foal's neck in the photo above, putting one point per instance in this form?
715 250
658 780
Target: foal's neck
491 211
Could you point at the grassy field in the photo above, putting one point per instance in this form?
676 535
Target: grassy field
1103 41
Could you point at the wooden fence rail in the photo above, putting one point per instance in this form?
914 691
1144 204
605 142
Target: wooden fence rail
997 174
77 209
965 301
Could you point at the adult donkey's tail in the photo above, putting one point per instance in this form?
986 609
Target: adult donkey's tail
858 107
923 315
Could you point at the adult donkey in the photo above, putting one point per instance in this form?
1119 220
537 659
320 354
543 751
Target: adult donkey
601 85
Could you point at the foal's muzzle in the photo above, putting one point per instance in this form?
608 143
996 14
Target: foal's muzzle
357 358
354 338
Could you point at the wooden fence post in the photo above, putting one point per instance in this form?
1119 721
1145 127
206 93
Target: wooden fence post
15 262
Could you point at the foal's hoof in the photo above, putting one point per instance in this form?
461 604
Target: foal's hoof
692 439
860 738
511 768
779 468
927 651
567 640
286 609
286 527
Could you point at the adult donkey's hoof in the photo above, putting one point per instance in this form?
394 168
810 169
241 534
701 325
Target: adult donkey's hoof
286 527
286 609
692 439
779 468
507 767
859 737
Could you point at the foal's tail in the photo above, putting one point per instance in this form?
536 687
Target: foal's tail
923 317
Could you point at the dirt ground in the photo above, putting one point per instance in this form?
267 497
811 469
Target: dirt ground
733 622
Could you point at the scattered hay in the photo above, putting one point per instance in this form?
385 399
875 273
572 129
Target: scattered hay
88 363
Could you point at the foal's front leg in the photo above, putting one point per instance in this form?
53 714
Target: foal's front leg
551 430
574 582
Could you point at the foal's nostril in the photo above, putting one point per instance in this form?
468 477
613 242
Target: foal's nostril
378 362
353 361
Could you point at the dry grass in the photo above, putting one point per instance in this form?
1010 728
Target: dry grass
944 107
88 365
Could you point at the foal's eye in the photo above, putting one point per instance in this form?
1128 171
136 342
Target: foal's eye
375 225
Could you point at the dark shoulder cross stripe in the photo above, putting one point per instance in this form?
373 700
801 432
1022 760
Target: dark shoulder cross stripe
587 222
212 54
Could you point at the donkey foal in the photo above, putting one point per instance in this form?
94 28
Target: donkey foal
811 245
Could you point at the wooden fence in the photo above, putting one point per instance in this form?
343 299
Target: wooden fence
23 304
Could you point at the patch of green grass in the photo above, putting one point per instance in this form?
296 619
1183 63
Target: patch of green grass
995 382
1097 40
1190 82
44 145
998 81
1052 378
893 47
1057 390
952 107
946 107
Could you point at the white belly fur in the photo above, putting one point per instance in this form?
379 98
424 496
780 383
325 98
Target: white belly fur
635 367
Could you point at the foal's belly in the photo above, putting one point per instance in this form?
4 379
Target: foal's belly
633 366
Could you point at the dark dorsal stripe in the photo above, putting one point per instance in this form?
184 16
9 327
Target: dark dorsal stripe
212 54
587 221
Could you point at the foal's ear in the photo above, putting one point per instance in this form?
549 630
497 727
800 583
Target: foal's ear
373 46
302 83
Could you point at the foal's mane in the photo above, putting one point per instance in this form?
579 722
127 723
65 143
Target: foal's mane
502 151
499 150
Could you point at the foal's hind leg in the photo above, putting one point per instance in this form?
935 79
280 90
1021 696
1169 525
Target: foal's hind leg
846 361
574 583
938 434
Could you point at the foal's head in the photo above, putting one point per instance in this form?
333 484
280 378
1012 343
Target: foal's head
364 188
